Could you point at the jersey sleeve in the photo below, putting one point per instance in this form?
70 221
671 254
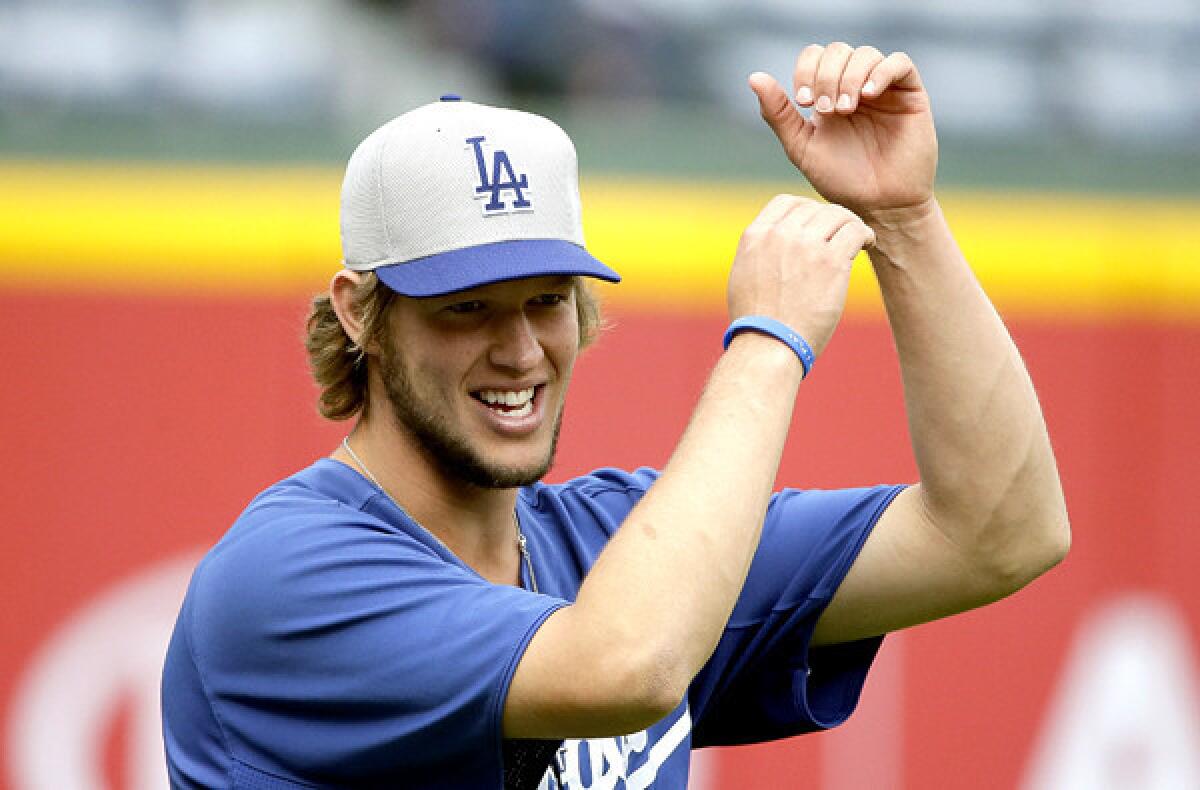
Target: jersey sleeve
353 651
765 680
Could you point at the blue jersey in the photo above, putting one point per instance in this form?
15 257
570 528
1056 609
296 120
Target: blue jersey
330 641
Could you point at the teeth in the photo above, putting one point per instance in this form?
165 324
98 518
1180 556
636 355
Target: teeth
521 398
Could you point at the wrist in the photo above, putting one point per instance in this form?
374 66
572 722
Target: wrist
905 235
775 332
902 220
762 358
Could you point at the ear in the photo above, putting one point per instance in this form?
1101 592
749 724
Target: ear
342 290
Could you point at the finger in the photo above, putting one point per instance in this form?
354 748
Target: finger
800 216
781 114
857 70
805 73
825 223
775 106
896 70
851 238
829 75
777 209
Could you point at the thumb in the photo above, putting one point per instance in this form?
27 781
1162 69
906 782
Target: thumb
781 115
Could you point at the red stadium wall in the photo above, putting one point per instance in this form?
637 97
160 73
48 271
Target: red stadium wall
136 425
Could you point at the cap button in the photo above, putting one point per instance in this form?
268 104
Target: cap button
451 97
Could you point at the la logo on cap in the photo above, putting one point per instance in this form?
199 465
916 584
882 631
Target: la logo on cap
502 178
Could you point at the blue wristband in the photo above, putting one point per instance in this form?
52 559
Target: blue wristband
776 329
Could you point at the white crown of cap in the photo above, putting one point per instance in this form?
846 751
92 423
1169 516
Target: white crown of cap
412 186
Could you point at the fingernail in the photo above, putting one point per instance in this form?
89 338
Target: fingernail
804 95
824 104
869 87
844 101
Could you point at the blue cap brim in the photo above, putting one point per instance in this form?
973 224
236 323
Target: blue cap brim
470 267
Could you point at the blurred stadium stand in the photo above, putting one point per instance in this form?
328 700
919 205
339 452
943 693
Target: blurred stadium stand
1068 93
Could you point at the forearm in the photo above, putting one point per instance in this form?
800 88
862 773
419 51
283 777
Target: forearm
988 475
668 581
670 577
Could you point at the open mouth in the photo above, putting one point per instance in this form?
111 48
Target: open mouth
509 403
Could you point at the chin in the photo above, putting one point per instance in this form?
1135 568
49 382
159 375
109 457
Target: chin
506 476
513 475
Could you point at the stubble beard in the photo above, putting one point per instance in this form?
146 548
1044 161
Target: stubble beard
448 450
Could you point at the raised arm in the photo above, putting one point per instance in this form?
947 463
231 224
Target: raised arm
651 610
988 514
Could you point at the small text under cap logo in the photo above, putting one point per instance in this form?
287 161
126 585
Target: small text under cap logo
502 178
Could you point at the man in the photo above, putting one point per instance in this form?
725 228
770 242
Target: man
418 610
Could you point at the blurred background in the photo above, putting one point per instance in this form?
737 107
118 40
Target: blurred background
169 176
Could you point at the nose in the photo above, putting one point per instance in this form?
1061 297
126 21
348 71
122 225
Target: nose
515 343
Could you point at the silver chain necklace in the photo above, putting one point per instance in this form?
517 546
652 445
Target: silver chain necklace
522 546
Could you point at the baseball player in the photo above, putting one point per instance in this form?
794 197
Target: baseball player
419 610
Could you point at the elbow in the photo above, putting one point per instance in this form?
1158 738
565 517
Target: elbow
645 711
1048 550
601 679
624 690
1012 533
1060 543
647 687
593 683
1050 538
619 706
1041 546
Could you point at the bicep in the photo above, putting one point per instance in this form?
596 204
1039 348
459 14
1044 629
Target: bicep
908 572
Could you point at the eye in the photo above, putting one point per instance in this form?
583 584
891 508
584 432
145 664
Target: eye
464 308
548 299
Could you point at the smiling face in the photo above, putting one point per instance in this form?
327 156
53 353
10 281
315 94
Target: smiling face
479 377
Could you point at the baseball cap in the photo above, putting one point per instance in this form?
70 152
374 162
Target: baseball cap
454 195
